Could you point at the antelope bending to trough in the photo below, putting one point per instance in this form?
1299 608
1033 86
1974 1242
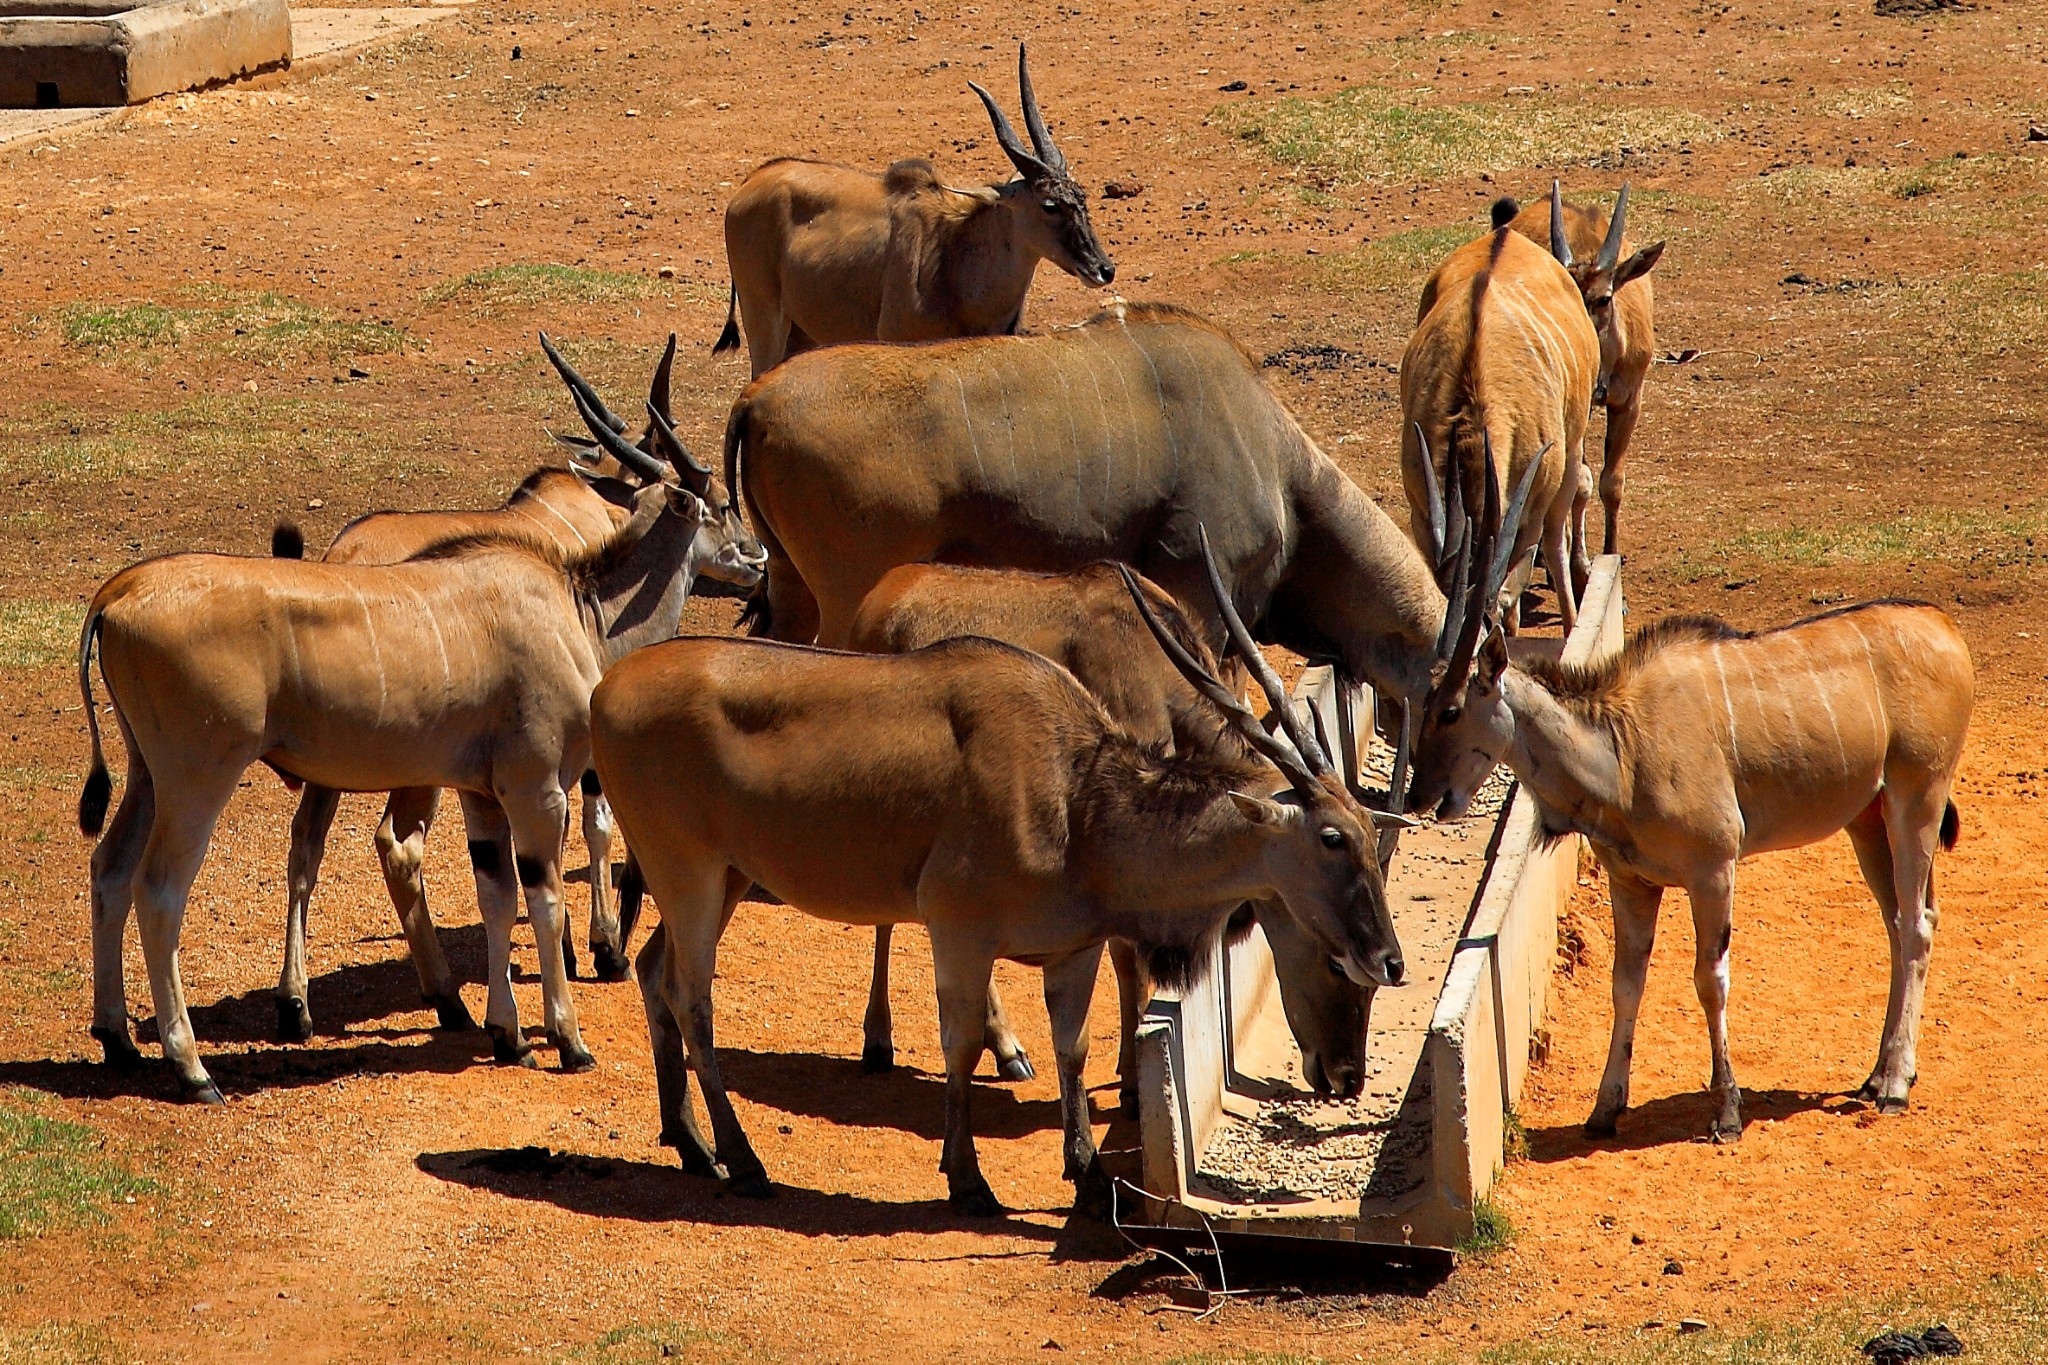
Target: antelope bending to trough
822 254
1614 279
1699 745
1085 621
1501 369
1111 440
468 666
980 790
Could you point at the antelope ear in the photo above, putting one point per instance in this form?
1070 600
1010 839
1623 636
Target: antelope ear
1387 819
1493 659
1638 265
1259 811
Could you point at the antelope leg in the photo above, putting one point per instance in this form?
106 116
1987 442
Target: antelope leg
114 861
1635 905
695 904
1911 826
607 937
1874 855
1713 924
878 1043
163 885
497 898
1621 426
1069 988
1132 991
401 851
540 822
671 1065
962 975
310 823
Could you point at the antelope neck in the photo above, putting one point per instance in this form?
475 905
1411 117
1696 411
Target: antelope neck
1570 760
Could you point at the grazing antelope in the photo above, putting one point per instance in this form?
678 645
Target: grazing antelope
1085 622
976 788
468 666
1699 745
1500 371
823 254
1614 279
1111 440
566 511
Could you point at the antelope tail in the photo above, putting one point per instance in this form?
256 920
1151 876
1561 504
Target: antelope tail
99 785
1951 827
1504 210
632 886
729 339
287 541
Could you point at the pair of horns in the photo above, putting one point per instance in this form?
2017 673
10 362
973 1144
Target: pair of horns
1478 557
1610 248
1043 161
608 427
1293 750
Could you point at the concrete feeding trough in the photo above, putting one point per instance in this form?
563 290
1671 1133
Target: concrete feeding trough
1236 1147
68 54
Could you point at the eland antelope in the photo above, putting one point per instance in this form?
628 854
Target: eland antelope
1500 370
468 665
1085 621
1614 279
978 789
822 254
1699 745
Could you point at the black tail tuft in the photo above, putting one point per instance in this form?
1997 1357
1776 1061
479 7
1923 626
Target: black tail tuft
729 339
756 618
632 885
287 541
1504 210
92 802
1951 827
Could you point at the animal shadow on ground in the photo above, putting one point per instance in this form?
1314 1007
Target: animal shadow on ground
341 1000
906 1099
647 1192
1302 1276
1679 1118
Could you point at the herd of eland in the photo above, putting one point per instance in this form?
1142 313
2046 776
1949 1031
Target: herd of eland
1005 591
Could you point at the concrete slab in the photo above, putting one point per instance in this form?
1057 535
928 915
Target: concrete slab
97 53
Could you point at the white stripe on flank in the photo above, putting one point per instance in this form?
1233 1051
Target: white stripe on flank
1108 444
447 674
1820 689
967 419
1756 696
566 524
377 653
1734 744
1876 688
1159 389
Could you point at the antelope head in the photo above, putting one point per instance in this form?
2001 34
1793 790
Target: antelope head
1320 848
1601 278
731 554
1049 205
1466 725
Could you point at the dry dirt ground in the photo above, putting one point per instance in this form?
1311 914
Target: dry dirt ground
317 294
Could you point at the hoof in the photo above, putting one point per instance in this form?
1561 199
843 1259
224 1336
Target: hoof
506 1050
451 1015
1890 1105
608 962
575 1058
753 1185
1724 1134
1866 1092
1017 1068
294 1020
975 1201
1092 1193
1600 1126
205 1092
120 1051
877 1058
691 1152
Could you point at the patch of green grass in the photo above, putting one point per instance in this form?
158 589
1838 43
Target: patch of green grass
52 1172
240 433
524 284
2006 179
34 632
263 327
1865 101
2003 1321
1402 260
1492 1231
64 1343
1367 133
1942 535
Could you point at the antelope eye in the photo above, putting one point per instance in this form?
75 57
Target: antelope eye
1602 301
1051 207
1332 837
1449 715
